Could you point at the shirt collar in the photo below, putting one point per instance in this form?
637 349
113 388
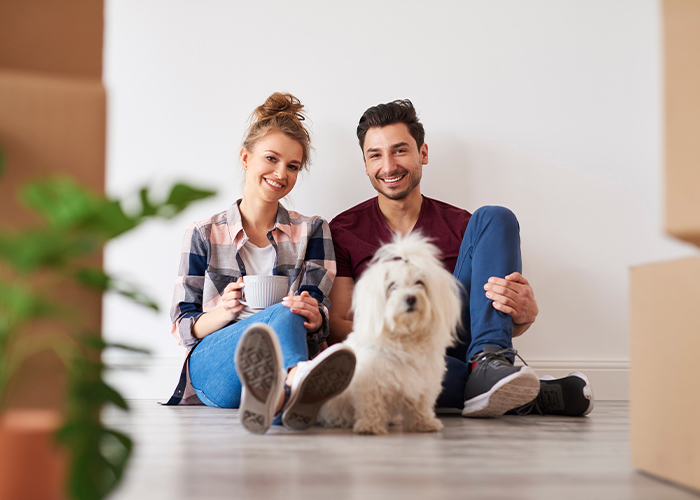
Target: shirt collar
235 223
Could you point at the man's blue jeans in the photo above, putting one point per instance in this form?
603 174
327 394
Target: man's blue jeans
212 370
490 247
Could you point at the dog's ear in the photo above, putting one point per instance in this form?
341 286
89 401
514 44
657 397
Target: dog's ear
369 302
448 296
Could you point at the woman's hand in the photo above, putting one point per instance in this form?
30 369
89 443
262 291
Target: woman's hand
513 295
222 315
305 305
230 299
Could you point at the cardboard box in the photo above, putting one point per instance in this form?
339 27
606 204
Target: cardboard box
50 125
52 36
664 347
682 88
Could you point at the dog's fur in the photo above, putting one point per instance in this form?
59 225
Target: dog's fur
406 311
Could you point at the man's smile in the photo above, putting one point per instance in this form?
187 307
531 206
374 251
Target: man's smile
393 180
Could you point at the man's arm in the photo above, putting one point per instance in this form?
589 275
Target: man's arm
341 316
513 295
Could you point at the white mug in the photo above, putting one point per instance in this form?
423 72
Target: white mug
261 292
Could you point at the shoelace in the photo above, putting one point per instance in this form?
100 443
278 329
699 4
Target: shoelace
503 353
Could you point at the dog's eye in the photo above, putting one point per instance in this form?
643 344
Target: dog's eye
392 286
420 283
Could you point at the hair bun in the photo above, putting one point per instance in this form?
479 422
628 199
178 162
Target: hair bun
280 104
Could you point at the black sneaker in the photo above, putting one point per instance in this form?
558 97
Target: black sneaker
571 396
495 386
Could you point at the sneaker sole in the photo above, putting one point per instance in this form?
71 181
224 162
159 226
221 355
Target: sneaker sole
331 377
258 363
510 392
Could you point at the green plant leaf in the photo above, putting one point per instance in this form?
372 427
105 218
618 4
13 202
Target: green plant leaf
181 196
96 342
98 459
20 304
98 279
147 208
108 394
129 348
93 277
111 220
61 201
138 297
33 249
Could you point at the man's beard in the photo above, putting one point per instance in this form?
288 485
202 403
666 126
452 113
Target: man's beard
395 195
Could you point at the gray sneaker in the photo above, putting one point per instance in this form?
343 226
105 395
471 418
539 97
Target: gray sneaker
258 361
495 386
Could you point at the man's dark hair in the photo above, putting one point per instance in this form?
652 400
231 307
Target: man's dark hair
382 115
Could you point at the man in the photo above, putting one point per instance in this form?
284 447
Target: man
483 252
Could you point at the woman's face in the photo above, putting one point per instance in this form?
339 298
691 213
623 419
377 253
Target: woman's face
272 166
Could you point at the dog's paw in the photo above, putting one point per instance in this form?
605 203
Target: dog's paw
369 428
426 425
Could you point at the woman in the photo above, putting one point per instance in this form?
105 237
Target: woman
257 360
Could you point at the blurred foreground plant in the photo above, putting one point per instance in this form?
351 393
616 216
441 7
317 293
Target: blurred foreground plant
36 264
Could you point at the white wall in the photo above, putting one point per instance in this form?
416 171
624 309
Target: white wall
552 108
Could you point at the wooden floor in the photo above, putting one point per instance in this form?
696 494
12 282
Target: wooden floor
204 453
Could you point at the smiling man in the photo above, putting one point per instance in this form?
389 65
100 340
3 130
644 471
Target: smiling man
483 252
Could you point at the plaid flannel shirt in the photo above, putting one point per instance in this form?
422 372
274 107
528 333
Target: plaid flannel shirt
210 260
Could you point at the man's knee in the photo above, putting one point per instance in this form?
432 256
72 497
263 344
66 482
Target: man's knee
495 214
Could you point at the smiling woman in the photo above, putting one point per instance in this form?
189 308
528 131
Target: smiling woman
240 356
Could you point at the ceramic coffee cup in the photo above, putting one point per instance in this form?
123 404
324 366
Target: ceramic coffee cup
260 292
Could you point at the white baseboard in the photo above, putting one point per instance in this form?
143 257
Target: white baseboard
136 377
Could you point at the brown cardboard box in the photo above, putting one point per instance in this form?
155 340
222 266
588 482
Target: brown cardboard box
682 82
52 36
664 347
50 125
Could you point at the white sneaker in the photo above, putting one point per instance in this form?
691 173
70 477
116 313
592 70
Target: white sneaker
315 382
258 361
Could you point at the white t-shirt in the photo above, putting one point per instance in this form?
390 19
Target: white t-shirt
259 262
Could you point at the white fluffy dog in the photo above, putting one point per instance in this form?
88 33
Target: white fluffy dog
406 311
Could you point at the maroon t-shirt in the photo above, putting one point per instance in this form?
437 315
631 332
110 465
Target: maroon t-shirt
360 231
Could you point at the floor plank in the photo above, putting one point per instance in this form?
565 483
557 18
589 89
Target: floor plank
199 452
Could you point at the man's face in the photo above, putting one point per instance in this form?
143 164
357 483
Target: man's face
393 162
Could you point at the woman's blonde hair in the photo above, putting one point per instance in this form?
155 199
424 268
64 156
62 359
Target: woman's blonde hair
281 112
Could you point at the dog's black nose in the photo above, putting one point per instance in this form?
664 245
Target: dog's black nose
411 301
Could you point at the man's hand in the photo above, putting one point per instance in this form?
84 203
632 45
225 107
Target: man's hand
513 295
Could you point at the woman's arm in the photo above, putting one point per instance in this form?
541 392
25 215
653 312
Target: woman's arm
224 314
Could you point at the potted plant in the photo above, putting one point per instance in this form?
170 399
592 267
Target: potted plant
35 263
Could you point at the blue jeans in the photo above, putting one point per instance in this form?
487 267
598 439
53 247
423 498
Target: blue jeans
212 370
490 247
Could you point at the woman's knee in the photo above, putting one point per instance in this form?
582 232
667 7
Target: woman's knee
281 313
